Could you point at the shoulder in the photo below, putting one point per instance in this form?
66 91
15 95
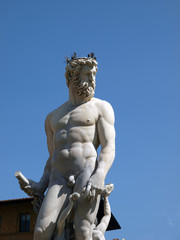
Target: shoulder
105 110
48 122
53 114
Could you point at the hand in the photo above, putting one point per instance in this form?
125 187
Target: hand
107 190
32 189
74 197
93 187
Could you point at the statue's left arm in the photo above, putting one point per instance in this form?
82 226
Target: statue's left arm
106 134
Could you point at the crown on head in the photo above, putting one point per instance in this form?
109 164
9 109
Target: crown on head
74 56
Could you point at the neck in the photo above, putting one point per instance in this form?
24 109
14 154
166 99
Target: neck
74 99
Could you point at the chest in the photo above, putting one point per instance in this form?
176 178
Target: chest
80 116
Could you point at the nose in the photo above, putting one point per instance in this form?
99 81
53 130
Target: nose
91 78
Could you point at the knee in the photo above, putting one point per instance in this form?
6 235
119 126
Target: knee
44 231
39 234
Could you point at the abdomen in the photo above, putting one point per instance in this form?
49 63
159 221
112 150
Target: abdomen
74 158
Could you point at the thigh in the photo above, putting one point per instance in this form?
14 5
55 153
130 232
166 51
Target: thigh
85 209
53 204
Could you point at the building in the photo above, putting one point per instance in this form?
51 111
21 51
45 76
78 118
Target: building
17 219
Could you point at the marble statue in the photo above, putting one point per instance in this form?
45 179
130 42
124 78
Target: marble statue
74 175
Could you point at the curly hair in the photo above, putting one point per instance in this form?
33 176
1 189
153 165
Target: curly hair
73 68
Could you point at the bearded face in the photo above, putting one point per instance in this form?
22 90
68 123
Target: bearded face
84 84
84 89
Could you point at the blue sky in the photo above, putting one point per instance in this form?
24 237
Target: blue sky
137 47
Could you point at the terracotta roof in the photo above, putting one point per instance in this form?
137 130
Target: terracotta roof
16 200
113 224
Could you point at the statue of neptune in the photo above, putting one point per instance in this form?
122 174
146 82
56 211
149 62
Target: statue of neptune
74 132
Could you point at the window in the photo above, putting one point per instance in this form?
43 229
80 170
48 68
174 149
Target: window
24 223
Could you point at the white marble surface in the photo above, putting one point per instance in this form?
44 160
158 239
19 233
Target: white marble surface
74 175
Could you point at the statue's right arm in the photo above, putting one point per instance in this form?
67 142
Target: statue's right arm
38 188
47 170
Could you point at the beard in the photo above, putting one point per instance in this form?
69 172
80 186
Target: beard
84 89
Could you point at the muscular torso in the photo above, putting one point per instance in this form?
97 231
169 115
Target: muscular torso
75 137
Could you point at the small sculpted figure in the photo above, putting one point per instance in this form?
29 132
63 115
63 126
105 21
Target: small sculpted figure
99 230
62 231
74 132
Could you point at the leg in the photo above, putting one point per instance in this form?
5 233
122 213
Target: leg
65 213
85 210
53 204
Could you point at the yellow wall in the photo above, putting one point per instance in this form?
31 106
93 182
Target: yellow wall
10 219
